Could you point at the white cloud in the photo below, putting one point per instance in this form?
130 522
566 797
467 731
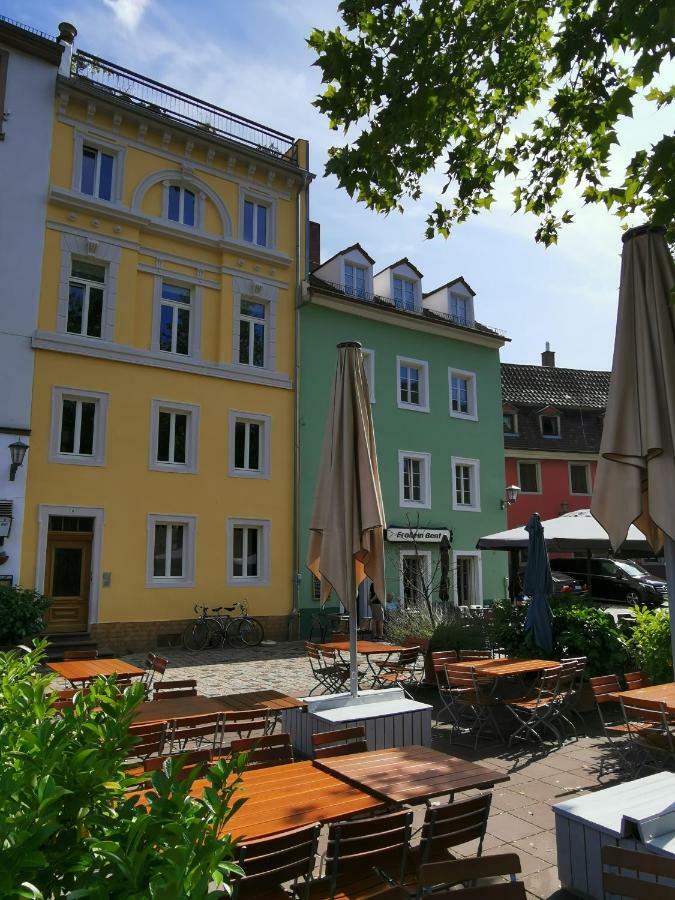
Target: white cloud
128 12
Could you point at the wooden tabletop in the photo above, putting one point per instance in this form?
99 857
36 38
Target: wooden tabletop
663 692
364 647
86 669
282 797
507 667
405 774
185 707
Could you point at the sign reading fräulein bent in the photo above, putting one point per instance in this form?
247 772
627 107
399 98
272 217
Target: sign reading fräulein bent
421 535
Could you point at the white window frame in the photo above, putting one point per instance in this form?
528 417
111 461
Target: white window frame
537 465
59 394
253 321
199 203
423 366
258 199
349 264
100 253
475 483
88 285
265 423
194 340
478 574
369 365
83 139
189 543
191 464
421 554
589 485
404 280
470 377
549 437
468 304
263 577
257 292
425 478
514 433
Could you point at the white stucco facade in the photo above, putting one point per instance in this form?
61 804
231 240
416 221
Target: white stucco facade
24 178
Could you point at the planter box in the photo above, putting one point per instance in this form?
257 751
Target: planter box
389 719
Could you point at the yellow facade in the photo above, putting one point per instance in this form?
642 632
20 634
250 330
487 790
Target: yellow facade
141 250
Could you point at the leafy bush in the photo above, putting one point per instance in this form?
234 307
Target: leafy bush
579 629
21 614
463 633
69 829
418 621
650 645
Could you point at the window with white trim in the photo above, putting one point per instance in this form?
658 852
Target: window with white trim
580 478
465 484
97 172
404 293
510 421
355 280
174 318
78 427
550 426
256 223
252 333
174 435
249 445
171 541
529 477
86 289
463 400
460 308
248 551
414 479
413 384
415 576
182 205
369 366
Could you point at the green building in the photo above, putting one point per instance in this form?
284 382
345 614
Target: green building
434 377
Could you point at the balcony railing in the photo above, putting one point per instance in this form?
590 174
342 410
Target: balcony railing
23 27
404 307
157 98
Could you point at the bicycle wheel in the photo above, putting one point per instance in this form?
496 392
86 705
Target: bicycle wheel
251 632
232 636
196 635
216 635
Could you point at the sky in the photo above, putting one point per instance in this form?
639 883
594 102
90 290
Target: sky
251 57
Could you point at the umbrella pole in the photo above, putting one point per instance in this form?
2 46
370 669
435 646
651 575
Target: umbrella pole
353 664
669 554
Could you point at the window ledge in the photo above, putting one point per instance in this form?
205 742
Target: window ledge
170 583
413 407
248 473
468 417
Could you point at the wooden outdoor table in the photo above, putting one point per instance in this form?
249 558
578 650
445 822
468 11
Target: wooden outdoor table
271 700
365 648
185 707
663 692
282 797
507 668
86 669
408 774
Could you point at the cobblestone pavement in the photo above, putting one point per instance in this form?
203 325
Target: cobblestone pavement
521 817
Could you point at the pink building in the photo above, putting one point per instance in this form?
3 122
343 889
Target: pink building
552 430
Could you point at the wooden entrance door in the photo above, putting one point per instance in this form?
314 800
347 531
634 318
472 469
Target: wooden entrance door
67 581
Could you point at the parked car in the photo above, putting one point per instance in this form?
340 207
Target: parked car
617 580
562 584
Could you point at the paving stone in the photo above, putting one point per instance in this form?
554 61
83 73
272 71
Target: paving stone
510 828
539 790
539 813
544 884
542 845
508 800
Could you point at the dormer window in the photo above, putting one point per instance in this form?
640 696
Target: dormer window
459 309
550 426
404 293
182 205
355 280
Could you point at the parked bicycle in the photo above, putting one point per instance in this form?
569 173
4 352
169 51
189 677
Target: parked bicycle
215 628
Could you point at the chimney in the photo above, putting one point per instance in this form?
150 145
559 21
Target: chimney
314 245
548 357
67 34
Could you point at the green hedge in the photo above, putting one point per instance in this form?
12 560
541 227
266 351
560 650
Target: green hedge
22 614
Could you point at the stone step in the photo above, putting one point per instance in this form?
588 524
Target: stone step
58 643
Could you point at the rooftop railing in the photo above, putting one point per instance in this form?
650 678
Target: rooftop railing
157 98
403 306
24 27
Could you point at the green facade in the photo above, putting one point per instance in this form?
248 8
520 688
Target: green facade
327 319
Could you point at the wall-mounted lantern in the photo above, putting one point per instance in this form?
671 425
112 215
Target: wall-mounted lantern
17 451
512 492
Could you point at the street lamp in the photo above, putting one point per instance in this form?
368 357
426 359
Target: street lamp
512 492
17 451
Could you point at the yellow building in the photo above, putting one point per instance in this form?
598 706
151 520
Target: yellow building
161 466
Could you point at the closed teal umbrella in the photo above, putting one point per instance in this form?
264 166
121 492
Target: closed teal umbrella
538 585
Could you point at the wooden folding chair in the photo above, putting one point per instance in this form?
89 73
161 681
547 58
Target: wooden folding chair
170 690
465 655
329 672
472 702
356 847
200 758
154 666
450 825
435 876
339 743
612 720
268 750
243 723
535 712
659 883
272 861
650 733
151 738
71 655
197 732
635 680
403 671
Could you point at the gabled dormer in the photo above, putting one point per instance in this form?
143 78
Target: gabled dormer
454 299
350 270
402 283
549 422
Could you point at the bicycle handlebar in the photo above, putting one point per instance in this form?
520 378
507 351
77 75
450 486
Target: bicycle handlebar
201 609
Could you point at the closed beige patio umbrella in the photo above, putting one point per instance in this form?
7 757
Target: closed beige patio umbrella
347 527
635 480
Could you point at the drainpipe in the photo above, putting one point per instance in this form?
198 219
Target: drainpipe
67 34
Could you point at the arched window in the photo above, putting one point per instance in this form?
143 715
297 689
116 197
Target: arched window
182 205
